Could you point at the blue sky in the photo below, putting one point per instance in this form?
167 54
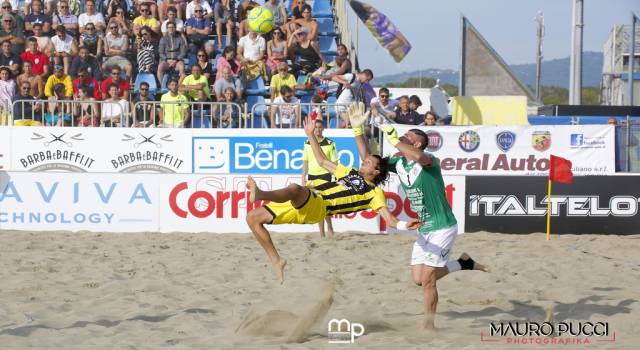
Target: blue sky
433 28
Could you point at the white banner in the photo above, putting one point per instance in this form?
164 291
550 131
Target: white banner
5 148
158 150
518 150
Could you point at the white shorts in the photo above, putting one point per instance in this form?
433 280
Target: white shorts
433 248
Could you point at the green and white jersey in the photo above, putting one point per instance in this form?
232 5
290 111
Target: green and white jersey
425 189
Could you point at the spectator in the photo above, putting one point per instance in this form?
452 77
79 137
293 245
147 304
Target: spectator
7 88
145 20
430 119
8 58
207 12
195 85
86 61
26 113
144 114
296 9
45 45
115 78
166 6
198 29
279 12
33 80
146 56
12 33
172 50
91 40
415 103
58 112
404 115
382 107
114 5
304 53
341 65
7 9
230 114
307 22
251 49
244 8
64 48
174 113
91 16
37 59
223 15
90 83
352 89
66 18
228 60
153 8
243 26
285 110
227 80
36 16
282 78
172 16
86 108
74 6
124 24
58 77
276 50
202 60
115 109
116 48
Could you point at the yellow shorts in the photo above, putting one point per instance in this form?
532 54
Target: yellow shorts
311 212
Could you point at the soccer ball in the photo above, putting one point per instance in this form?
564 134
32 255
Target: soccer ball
260 20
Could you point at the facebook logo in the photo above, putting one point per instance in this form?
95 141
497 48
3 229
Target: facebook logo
577 140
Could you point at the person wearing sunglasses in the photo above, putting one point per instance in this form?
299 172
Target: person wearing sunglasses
25 111
116 49
145 20
383 106
115 78
276 50
91 16
144 114
36 16
207 11
9 31
92 41
83 78
66 18
198 29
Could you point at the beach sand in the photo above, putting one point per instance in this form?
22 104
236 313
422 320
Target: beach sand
65 290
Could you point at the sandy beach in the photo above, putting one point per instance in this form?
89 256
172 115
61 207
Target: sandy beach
66 290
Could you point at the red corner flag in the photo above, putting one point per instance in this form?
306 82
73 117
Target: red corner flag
560 170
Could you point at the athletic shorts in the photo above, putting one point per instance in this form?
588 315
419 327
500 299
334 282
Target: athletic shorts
434 247
311 212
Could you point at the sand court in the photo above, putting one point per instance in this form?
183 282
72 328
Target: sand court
185 291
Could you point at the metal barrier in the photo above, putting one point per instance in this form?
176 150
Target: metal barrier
265 115
175 114
70 113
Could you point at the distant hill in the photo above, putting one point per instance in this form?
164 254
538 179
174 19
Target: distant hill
554 73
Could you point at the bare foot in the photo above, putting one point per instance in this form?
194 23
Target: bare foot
278 268
253 188
330 234
476 265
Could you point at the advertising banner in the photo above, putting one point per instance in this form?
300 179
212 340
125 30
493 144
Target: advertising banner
5 148
518 150
518 204
158 150
399 204
77 202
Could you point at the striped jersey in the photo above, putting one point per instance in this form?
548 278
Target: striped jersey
350 193
328 148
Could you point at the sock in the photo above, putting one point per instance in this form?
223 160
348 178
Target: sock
453 265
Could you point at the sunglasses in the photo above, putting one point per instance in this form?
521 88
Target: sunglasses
7 21
144 89
81 75
90 28
26 87
196 11
201 55
384 96
115 73
6 7
113 27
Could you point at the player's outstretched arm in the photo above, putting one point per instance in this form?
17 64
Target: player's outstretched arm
357 119
410 225
322 160
412 153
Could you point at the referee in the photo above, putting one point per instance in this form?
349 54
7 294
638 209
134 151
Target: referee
313 174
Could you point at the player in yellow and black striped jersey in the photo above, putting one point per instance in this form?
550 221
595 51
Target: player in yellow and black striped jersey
315 175
353 190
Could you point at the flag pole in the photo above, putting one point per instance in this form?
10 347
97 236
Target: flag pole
549 211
